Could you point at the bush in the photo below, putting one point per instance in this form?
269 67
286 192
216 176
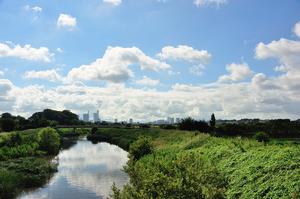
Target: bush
94 130
140 148
49 141
262 137
8 185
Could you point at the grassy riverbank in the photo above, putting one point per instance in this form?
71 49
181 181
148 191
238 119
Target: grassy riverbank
196 165
25 158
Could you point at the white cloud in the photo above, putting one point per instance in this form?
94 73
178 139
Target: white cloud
296 29
50 75
1 73
113 2
114 65
287 52
35 9
237 72
146 81
197 69
186 53
25 52
59 50
65 20
201 3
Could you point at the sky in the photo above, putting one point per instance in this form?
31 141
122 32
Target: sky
151 59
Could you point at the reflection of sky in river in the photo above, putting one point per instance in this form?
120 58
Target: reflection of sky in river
86 171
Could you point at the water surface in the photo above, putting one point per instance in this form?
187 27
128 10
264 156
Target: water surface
86 171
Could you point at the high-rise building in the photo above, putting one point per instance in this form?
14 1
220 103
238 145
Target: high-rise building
96 117
86 117
170 120
178 120
130 121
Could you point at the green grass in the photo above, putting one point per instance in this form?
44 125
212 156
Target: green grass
196 165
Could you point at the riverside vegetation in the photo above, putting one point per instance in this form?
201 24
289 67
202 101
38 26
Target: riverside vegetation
187 164
26 158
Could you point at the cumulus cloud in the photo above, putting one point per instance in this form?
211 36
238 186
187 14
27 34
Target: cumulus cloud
50 75
237 72
113 2
296 29
285 51
35 9
7 100
114 65
65 20
185 53
201 3
1 73
146 81
25 52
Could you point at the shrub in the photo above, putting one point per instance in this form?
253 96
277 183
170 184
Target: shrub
262 137
15 140
94 130
140 148
49 141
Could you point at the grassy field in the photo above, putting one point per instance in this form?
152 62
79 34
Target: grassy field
196 165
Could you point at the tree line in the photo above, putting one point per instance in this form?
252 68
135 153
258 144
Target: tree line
276 128
48 117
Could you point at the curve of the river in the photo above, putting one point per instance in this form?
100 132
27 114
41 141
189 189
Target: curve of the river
85 170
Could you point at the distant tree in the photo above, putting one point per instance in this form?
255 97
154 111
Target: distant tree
8 124
6 116
49 140
190 124
262 137
212 121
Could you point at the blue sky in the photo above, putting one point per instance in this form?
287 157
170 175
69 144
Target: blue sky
159 54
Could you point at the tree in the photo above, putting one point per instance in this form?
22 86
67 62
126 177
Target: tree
262 137
8 124
212 121
49 140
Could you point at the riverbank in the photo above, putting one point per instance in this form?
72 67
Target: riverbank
195 165
26 158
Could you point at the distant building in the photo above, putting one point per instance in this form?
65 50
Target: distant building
116 120
178 120
96 117
130 121
170 120
86 117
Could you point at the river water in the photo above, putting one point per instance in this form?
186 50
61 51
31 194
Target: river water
85 171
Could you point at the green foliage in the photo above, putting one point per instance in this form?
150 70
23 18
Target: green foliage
8 124
8 183
262 137
94 130
196 165
23 173
49 141
190 124
140 148
212 121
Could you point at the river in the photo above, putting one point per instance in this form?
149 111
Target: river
85 170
